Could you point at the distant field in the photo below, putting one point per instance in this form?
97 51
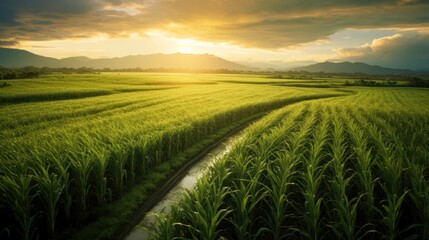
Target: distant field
73 146
73 86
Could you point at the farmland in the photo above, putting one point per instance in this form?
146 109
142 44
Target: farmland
342 168
81 152
73 146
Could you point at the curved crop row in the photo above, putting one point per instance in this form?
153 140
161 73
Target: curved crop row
342 170
62 159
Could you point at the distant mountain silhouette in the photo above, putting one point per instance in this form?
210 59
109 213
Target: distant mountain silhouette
348 67
423 70
20 58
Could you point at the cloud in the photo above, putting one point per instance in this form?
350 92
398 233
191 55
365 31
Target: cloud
274 24
8 43
268 24
408 49
27 20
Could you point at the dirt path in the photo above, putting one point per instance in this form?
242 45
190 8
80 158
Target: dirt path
188 182
185 176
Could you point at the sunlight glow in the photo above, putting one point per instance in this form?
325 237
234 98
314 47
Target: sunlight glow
157 41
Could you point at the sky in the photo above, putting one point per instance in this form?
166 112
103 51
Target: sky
261 32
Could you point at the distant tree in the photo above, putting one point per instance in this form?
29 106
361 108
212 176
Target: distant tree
418 82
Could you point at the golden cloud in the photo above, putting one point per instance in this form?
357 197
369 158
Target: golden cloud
269 24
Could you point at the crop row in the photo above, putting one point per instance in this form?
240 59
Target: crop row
344 168
61 159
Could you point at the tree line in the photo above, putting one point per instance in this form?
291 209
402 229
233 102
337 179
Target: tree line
19 73
34 72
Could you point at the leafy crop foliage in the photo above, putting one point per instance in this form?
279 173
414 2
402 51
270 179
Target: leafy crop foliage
351 167
71 144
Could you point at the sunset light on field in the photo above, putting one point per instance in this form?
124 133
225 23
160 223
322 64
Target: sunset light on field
214 119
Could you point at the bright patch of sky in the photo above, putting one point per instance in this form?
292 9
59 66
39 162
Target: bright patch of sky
159 42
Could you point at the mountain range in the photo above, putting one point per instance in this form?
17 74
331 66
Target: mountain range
348 67
15 58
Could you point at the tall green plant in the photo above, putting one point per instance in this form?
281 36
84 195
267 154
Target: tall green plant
17 192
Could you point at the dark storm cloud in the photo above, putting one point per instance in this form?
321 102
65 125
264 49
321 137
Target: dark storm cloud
267 24
404 50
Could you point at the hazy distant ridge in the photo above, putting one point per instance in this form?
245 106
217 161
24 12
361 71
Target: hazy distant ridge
21 58
348 67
